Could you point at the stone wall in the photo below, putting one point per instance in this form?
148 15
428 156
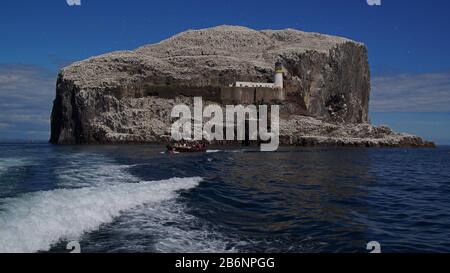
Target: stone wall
222 95
211 93
248 95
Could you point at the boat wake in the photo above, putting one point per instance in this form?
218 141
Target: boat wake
36 221
164 227
8 163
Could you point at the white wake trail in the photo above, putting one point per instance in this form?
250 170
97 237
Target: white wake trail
35 221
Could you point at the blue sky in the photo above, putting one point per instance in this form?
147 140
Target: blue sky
408 43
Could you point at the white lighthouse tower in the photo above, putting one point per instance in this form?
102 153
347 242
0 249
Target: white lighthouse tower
278 76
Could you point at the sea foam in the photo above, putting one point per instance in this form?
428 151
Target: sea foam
7 163
35 221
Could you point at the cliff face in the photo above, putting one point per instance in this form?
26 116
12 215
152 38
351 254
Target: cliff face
105 99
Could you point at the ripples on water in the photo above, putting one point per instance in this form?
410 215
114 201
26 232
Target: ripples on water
139 199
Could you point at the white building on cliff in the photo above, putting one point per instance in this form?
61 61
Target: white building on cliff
278 80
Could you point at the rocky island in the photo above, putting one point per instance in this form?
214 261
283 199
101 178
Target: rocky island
126 97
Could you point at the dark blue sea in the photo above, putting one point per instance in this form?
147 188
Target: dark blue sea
140 199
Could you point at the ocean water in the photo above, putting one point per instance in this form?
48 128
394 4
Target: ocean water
140 199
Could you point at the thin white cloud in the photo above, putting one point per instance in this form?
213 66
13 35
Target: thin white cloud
26 96
411 93
3 125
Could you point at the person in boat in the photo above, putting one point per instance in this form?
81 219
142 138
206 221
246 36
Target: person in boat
182 146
